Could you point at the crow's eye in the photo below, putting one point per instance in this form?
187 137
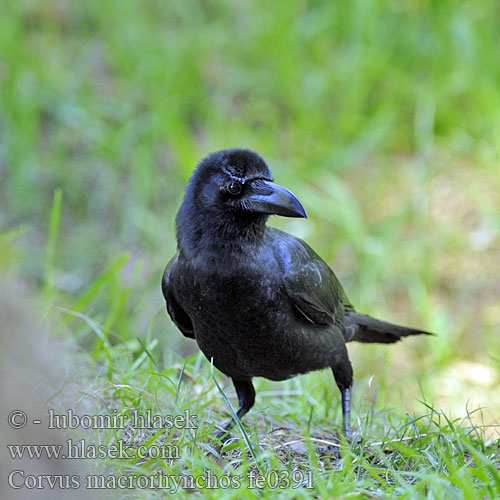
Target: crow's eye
234 187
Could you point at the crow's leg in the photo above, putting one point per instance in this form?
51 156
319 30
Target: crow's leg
246 396
342 371
346 411
246 399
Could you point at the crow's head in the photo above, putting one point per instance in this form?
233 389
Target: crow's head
237 183
228 200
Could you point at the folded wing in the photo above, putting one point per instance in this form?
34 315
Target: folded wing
177 313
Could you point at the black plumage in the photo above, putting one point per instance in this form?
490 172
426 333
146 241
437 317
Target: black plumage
258 301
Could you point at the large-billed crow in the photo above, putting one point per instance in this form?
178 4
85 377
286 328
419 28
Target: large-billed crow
258 301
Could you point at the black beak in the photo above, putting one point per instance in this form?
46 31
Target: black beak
270 198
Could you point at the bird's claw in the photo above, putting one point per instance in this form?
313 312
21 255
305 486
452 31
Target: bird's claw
223 436
330 450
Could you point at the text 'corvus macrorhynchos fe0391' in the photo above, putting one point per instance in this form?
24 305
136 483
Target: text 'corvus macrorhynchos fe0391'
258 301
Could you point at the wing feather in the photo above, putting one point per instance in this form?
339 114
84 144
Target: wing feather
179 316
311 285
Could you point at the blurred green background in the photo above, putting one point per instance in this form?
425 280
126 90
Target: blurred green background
382 117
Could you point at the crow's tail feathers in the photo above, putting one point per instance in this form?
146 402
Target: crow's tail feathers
362 328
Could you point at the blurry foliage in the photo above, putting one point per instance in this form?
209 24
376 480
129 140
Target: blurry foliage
383 117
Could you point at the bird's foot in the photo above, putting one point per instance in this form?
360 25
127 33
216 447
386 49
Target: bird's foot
224 436
337 444
332 450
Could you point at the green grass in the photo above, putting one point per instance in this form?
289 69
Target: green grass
383 117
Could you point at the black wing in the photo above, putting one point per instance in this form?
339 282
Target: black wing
176 312
310 284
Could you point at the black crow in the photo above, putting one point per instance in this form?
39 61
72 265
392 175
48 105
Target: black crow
258 301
